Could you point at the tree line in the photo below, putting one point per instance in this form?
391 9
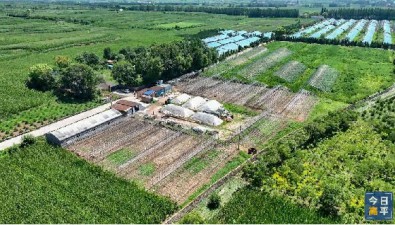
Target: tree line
77 79
343 42
146 65
360 13
233 11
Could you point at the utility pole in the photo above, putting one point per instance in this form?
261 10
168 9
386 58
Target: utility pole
238 144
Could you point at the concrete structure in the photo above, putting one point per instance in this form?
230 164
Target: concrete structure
83 128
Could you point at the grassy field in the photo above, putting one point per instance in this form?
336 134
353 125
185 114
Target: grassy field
361 71
43 184
25 42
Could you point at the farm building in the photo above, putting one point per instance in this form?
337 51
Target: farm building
127 107
161 90
194 103
83 128
181 99
207 119
176 111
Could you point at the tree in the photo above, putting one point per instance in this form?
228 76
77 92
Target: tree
214 201
89 59
107 54
62 61
78 81
125 74
153 70
41 78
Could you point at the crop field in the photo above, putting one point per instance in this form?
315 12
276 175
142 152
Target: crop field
324 78
360 71
215 162
291 71
44 184
69 32
139 150
263 64
277 100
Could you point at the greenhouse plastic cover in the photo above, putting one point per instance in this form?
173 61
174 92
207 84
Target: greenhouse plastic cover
207 119
86 124
211 106
177 111
194 103
181 99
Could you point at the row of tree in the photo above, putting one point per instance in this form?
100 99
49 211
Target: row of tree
360 13
234 11
344 42
134 67
146 65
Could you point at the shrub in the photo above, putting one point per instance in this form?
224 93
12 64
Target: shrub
41 78
28 140
192 218
214 201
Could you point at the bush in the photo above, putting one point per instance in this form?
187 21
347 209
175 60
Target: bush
214 201
192 218
28 140
41 78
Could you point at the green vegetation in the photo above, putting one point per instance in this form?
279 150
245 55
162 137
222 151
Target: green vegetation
121 156
299 169
192 218
256 207
147 169
382 116
362 71
240 109
198 163
214 201
44 184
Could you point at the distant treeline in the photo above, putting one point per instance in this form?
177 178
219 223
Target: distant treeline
343 42
26 15
362 13
234 11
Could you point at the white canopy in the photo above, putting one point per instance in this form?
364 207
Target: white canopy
194 103
207 119
177 111
181 99
211 106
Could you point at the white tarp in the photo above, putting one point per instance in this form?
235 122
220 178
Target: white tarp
207 119
177 111
85 124
181 99
211 106
194 103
